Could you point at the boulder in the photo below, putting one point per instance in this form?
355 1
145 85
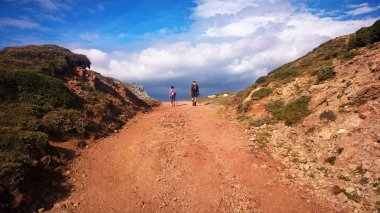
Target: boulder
365 94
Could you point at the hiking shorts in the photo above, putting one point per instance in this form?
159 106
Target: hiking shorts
172 98
194 94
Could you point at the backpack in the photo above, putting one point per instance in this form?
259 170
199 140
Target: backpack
172 92
194 87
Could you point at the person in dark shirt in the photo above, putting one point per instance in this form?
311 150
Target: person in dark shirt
194 92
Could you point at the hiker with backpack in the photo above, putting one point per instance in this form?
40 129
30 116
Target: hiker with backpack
172 95
194 92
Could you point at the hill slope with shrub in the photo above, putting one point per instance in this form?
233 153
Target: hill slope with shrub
47 94
320 117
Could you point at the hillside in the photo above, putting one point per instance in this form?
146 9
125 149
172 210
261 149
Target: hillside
47 94
319 116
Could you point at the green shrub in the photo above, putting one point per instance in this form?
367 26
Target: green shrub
64 123
352 196
295 110
364 181
365 36
285 73
360 170
291 113
262 93
264 120
20 115
48 59
38 89
19 152
345 178
327 115
325 73
81 144
331 160
350 54
261 79
311 130
275 107
314 72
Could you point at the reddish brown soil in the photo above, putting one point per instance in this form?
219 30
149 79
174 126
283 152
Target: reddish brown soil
182 159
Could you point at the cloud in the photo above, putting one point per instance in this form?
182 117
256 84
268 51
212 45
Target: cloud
229 45
54 5
19 23
53 18
357 5
100 7
89 36
359 9
210 8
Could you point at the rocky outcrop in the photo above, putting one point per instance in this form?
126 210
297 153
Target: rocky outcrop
138 90
365 94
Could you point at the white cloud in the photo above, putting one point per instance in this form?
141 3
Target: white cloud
19 23
89 36
54 5
229 44
357 5
210 8
99 59
361 9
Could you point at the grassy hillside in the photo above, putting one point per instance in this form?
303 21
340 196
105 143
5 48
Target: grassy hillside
319 116
46 94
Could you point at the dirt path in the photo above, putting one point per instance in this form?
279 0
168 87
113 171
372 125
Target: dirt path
183 159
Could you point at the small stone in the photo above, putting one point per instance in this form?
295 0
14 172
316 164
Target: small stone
362 116
263 166
350 190
67 172
325 134
252 139
341 131
83 176
41 210
76 204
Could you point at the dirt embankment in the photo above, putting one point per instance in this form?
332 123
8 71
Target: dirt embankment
182 159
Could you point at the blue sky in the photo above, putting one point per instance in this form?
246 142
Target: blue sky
224 45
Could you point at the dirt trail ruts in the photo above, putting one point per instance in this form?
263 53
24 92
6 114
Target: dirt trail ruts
182 159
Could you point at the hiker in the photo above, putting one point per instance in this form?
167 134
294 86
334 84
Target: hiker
194 92
172 94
